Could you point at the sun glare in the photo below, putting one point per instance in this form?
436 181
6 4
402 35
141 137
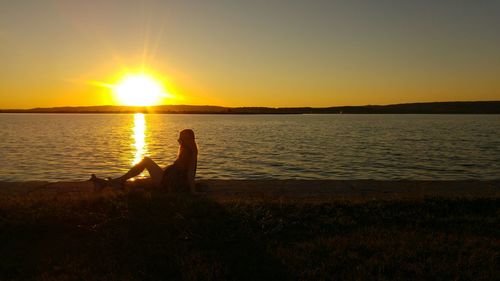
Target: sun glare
139 137
139 90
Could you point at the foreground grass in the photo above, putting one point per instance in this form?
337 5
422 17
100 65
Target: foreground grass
155 236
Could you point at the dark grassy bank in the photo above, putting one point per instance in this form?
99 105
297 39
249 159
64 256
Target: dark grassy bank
155 236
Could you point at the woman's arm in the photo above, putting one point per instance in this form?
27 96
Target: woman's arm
188 162
191 173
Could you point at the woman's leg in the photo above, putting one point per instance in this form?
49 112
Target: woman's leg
155 171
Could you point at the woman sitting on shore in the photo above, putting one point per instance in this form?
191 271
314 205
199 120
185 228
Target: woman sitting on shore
177 177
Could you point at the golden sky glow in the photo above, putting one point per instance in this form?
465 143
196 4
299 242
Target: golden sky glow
248 53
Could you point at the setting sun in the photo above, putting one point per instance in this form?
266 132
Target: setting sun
140 90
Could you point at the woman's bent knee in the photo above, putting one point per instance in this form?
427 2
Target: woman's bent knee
147 162
146 159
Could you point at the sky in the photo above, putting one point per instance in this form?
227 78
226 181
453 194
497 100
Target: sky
250 53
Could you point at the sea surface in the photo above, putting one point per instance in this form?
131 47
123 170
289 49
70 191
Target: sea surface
72 146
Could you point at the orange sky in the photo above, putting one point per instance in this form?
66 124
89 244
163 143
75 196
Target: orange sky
251 53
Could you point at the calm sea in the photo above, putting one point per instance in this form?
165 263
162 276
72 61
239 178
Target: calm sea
72 146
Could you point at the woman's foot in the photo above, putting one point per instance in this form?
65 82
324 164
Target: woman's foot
98 182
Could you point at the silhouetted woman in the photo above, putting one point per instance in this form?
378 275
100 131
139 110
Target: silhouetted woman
176 177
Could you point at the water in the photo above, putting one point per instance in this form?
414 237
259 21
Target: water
72 146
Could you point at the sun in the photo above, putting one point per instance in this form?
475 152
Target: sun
139 90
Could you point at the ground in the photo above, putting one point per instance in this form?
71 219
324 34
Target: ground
252 230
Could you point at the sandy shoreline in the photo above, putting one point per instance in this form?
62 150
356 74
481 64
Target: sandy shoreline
277 190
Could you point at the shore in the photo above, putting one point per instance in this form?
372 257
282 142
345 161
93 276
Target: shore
279 190
252 230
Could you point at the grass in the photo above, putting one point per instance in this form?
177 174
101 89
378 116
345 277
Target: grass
156 236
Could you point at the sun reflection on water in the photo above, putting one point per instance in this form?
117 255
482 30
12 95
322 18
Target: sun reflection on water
139 136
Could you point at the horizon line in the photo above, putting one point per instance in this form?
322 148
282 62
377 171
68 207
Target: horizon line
236 107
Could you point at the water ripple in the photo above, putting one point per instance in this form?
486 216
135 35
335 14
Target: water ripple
69 147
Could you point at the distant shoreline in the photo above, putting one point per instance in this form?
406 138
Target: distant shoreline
468 107
220 113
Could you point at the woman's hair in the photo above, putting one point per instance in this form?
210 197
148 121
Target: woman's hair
187 146
186 139
181 174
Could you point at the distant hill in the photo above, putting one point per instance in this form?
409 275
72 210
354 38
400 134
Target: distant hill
468 107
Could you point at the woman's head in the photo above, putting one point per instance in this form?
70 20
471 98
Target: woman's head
186 137
187 143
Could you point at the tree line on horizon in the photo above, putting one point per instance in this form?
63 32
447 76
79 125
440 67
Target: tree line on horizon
472 107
